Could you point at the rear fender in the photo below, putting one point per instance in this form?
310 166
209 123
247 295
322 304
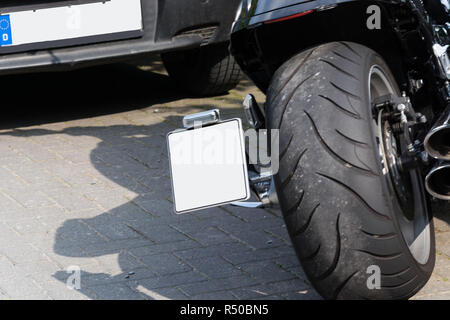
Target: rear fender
262 41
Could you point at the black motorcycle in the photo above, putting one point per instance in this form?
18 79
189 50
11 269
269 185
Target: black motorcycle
360 92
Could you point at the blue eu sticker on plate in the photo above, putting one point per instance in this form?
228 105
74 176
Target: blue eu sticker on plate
5 31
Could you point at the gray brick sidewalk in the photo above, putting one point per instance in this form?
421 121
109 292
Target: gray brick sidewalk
84 182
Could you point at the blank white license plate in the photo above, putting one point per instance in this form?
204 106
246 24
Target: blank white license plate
70 22
208 166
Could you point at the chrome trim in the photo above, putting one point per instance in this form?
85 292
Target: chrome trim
442 56
441 126
438 193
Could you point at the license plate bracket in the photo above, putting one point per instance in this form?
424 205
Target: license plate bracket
208 166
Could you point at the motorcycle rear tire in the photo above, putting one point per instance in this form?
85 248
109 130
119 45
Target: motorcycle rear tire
341 214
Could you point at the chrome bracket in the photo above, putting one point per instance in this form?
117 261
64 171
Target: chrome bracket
253 113
201 119
263 186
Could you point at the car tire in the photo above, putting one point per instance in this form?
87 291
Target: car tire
205 71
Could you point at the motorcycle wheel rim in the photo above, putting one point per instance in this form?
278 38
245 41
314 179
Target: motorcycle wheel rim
413 220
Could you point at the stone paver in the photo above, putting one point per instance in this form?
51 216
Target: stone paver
84 182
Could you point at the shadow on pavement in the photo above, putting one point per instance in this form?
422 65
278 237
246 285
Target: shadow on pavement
38 98
47 98
142 222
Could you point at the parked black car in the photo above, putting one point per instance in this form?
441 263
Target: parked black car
360 93
192 35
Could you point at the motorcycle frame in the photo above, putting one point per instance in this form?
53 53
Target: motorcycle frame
262 42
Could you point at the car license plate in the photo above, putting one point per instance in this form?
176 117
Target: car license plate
64 23
208 166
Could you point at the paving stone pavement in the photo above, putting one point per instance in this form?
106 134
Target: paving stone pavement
84 182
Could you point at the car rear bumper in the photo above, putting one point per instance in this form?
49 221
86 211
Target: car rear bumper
169 25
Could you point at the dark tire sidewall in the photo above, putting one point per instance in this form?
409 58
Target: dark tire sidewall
370 60
281 84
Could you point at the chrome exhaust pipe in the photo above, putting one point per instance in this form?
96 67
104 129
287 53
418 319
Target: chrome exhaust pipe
437 182
437 141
